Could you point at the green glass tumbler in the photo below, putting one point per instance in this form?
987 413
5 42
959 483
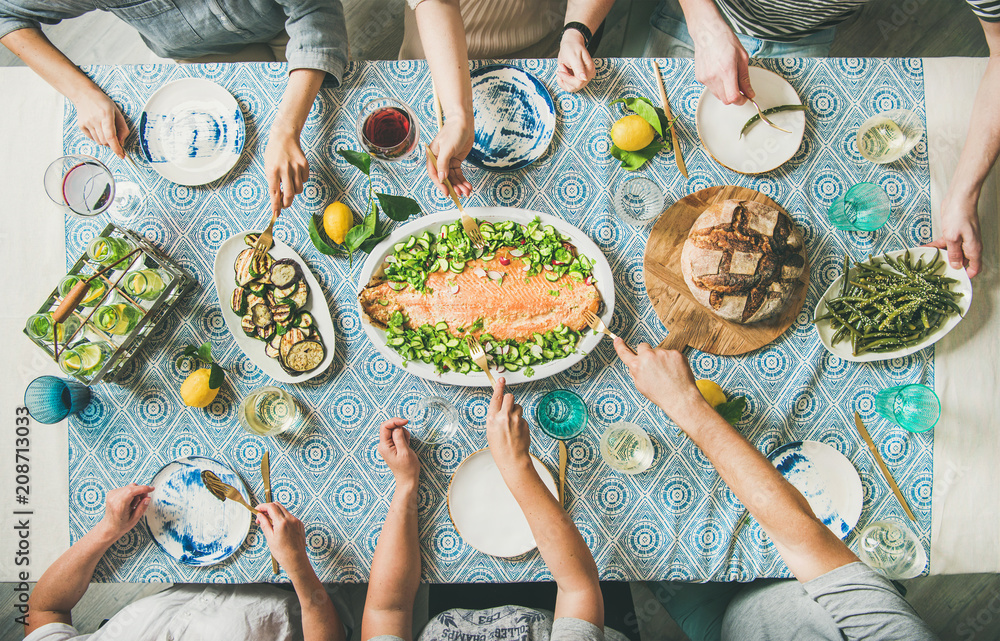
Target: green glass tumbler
912 407
865 207
562 414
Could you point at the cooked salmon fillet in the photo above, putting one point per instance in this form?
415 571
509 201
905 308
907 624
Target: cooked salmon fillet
513 309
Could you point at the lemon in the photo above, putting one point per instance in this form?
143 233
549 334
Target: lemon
631 133
195 390
337 219
711 391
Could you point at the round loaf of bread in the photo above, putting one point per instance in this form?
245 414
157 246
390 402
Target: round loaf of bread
742 260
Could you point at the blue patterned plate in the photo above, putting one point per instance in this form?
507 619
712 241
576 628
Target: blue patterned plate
603 280
514 115
187 521
191 131
826 478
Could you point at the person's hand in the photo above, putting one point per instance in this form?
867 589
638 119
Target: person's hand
452 144
721 63
101 120
662 376
394 448
506 430
960 234
123 507
285 534
285 166
575 68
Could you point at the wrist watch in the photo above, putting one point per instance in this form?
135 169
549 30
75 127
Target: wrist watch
582 28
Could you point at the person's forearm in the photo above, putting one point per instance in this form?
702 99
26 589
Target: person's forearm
32 47
589 12
63 584
808 547
982 143
443 34
395 573
300 93
559 542
320 621
704 20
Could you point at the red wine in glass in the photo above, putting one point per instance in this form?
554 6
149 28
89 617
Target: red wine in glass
389 131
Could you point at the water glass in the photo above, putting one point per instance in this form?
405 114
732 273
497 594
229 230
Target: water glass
268 411
892 549
432 419
50 399
865 207
913 407
562 414
81 184
626 448
888 136
638 201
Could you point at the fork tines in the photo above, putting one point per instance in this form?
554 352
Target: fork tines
472 230
479 356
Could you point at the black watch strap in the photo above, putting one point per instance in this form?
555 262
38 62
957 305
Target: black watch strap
582 28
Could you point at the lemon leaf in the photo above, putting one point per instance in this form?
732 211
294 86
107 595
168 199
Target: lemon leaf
215 377
632 160
359 159
317 237
732 410
398 208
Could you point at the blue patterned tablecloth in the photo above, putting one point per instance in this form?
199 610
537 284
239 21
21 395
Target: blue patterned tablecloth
678 520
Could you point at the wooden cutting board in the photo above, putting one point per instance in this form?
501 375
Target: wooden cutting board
689 323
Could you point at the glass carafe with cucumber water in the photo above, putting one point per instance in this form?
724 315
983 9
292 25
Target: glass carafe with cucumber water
145 284
95 290
85 359
108 250
41 327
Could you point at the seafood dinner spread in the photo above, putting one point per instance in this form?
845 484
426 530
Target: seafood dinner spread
524 296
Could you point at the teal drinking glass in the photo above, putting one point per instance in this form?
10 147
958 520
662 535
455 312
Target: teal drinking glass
865 207
562 414
912 407
50 399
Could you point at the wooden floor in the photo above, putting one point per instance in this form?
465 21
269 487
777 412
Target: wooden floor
965 607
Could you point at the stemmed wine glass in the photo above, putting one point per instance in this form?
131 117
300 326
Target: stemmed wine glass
389 130
84 186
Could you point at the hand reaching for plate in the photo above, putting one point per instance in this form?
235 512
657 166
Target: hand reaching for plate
123 509
506 431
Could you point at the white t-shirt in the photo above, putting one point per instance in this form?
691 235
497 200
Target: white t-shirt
196 613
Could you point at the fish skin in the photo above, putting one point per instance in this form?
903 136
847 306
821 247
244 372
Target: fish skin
510 310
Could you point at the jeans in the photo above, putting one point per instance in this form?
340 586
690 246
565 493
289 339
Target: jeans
669 38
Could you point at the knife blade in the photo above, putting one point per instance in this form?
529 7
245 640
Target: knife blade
678 155
886 474
265 473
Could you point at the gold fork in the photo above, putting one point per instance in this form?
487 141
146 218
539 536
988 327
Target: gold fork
479 356
223 491
762 116
468 224
598 325
265 240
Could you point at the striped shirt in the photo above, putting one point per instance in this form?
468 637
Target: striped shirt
789 20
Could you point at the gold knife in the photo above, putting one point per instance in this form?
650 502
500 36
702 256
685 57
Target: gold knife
563 456
265 472
678 156
881 464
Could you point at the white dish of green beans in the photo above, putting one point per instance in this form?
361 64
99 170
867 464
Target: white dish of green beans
893 305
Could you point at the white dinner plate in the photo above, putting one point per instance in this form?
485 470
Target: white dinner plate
187 521
843 348
484 511
191 131
603 280
763 148
514 116
826 478
225 283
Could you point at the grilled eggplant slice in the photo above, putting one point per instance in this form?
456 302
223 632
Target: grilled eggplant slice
270 350
304 356
246 324
284 273
238 302
261 315
253 300
242 267
300 297
289 339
